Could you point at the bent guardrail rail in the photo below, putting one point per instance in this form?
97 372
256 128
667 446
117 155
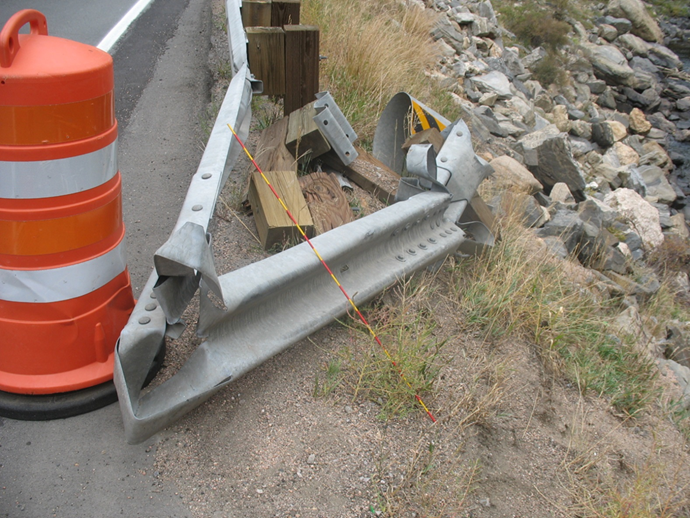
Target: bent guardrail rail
271 304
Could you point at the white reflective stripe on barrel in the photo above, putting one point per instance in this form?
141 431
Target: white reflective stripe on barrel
65 283
48 178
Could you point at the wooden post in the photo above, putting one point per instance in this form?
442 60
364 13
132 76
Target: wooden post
272 222
301 66
271 153
266 54
285 12
304 138
256 13
369 173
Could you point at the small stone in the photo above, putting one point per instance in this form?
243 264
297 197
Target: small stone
560 192
608 32
638 122
489 99
311 460
560 118
683 104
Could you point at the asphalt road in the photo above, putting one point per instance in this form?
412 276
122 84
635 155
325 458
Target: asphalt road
81 466
87 21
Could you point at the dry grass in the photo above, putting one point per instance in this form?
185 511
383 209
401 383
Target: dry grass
517 289
374 50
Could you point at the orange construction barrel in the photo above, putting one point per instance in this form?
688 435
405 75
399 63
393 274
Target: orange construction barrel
65 292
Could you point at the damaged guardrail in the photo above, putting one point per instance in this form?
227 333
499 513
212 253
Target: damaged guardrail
271 304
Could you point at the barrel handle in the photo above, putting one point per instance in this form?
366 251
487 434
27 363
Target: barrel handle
9 37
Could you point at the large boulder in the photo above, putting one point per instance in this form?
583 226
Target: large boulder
609 64
549 157
642 217
643 25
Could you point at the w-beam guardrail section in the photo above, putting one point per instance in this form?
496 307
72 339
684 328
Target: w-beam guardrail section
271 304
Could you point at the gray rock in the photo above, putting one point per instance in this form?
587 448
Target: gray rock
531 213
683 104
463 18
622 25
642 217
575 115
581 128
597 86
608 32
639 99
512 62
607 99
636 45
548 156
488 119
609 64
449 31
643 80
459 69
554 244
640 63
659 121
677 88
481 27
494 82
630 179
664 57
654 154
534 57
610 174
596 213
567 226
615 259
581 146
643 25
606 133
657 185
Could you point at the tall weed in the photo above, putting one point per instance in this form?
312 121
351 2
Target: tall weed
374 50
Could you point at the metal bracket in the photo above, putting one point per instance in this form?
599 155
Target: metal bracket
335 127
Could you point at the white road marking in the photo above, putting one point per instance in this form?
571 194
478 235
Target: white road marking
121 27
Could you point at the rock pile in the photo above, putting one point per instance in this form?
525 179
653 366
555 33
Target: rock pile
605 155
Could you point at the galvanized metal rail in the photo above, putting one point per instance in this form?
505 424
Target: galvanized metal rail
271 304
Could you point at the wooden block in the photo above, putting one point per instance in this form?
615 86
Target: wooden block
369 173
256 13
304 139
285 12
271 153
428 136
301 65
272 222
328 205
266 55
